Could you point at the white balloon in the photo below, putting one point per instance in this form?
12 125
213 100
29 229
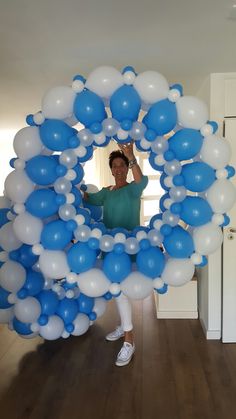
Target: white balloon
82 233
106 243
28 228
151 86
85 137
137 286
8 239
192 112
207 238
27 143
131 246
53 264
221 196
215 151
137 131
27 310
155 237
91 188
178 272
169 218
58 102
158 283
53 329
110 126
81 324
100 306
18 186
93 283
172 167
62 185
178 193
67 212
159 145
68 158
104 81
12 276
6 315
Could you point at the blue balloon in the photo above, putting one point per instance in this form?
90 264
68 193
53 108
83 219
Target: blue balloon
24 256
87 156
42 203
179 243
3 216
152 162
55 134
117 230
204 262
140 148
154 218
67 310
161 117
162 290
30 120
198 176
117 266
85 213
42 169
195 211
119 141
4 298
162 178
161 201
79 174
96 211
89 108
55 235
226 221
34 282
231 171
78 197
177 86
81 258
49 302
85 303
125 104
150 261
186 143
21 328
106 142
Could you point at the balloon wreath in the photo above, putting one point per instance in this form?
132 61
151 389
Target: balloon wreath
52 281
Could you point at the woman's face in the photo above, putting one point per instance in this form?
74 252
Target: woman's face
119 169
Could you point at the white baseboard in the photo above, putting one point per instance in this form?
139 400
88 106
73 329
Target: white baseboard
210 334
177 314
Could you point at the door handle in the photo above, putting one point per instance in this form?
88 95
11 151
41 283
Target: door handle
232 230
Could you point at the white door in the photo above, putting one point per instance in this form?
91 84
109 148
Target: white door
229 253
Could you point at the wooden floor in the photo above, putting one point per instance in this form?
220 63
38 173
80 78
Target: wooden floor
176 373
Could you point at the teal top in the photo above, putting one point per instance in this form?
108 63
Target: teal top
121 207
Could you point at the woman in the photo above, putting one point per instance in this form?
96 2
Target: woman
121 208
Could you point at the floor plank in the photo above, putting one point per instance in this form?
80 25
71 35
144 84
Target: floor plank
175 373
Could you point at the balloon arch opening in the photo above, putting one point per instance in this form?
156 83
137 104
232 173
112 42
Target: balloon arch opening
52 281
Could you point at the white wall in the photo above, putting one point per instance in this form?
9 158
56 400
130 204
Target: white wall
6 153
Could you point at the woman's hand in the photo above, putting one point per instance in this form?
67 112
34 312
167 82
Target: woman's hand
127 149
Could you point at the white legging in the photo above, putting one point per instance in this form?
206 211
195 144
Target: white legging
125 312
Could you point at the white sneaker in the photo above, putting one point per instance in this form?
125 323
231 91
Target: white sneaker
125 355
116 334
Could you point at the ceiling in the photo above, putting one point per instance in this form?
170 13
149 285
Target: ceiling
44 43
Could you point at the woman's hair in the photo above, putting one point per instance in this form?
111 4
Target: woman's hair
118 154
